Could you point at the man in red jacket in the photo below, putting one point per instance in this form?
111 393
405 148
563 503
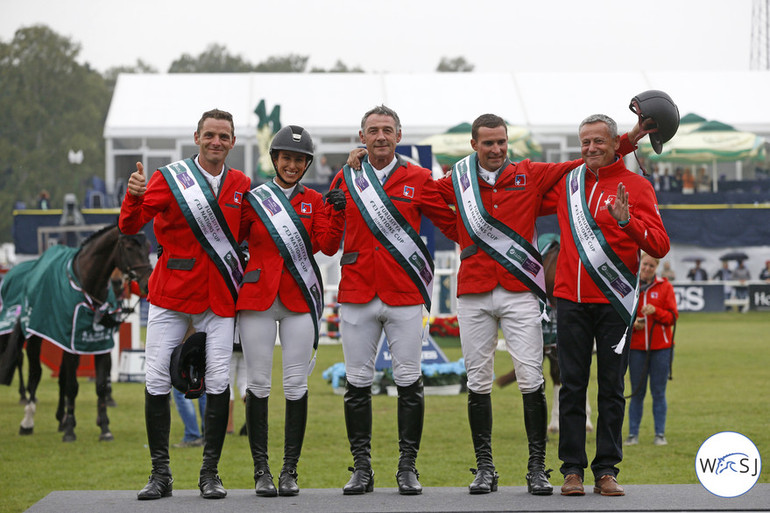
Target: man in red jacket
499 282
387 277
196 207
606 215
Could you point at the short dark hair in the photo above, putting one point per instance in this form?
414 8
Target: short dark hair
487 121
217 114
383 111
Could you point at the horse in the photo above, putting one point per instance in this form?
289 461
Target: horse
549 245
65 296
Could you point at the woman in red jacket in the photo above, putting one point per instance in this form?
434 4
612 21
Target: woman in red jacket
285 223
652 348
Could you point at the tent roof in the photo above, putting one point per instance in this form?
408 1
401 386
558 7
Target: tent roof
169 105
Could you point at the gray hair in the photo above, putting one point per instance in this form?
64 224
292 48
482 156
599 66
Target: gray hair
601 118
383 111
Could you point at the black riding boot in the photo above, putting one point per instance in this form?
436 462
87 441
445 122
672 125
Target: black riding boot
535 423
217 410
480 419
294 434
256 428
157 417
411 409
358 421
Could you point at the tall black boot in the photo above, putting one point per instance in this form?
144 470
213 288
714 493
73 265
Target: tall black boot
157 417
535 423
411 410
358 421
480 419
294 434
256 428
217 410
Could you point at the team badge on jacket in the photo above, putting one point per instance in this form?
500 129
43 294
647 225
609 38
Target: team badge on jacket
238 197
520 180
306 208
408 191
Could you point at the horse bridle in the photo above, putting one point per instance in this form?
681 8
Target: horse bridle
133 272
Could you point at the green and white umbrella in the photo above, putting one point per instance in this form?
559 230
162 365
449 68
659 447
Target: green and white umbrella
687 124
455 144
712 141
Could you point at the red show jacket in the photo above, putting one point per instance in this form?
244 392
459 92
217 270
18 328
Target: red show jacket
266 273
514 200
203 286
657 333
644 231
368 269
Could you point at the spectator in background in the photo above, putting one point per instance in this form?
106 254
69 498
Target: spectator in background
668 273
688 182
652 346
724 274
44 200
323 170
697 273
765 273
193 437
741 273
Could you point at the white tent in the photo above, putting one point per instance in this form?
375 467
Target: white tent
153 116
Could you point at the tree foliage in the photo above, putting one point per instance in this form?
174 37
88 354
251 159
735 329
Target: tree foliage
454 64
111 75
283 64
214 59
339 67
49 104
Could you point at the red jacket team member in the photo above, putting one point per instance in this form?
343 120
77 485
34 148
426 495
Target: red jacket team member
609 213
386 279
196 206
493 289
275 291
652 347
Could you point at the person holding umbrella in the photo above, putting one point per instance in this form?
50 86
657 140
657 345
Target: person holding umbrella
652 349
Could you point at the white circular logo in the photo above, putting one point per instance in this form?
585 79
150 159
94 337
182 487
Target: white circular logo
728 464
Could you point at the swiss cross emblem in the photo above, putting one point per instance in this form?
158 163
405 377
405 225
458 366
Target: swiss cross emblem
238 197
520 180
408 191
654 295
306 208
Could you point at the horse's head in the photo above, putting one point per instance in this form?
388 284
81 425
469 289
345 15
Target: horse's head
134 258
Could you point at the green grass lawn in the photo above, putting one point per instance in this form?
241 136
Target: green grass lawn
720 383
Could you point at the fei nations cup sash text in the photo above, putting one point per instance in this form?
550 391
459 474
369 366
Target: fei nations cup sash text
289 234
499 241
390 228
206 219
614 279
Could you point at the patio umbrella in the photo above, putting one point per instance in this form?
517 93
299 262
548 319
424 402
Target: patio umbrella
455 144
734 255
687 124
712 141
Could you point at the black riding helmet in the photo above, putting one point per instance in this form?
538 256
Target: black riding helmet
292 138
661 108
188 366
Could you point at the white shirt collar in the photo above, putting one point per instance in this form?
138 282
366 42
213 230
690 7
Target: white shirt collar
214 181
382 173
488 176
288 191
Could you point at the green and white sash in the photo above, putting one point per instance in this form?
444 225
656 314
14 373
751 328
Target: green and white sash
614 279
293 241
390 228
498 240
206 219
